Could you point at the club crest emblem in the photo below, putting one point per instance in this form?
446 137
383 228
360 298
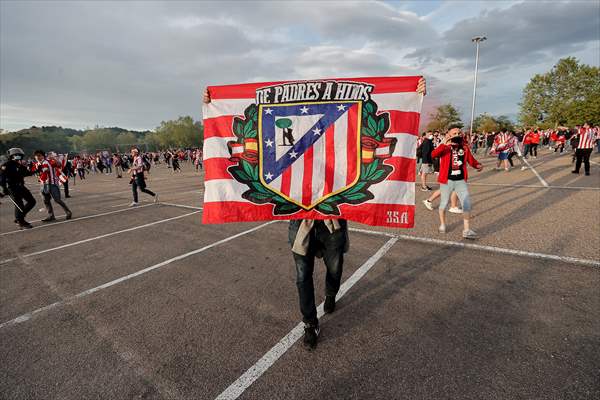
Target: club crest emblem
311 146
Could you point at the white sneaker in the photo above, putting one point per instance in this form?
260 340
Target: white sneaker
428 205
523 168
455 210
470 234
156 199
133 204
442 229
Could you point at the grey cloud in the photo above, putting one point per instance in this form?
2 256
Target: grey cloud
522 34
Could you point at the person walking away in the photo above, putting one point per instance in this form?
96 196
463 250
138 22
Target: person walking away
80 168
454 156
514 149
175 163
117 164
65 169
426 160
535 141
12 181
489 142
587 138
137 177
527 143
49 172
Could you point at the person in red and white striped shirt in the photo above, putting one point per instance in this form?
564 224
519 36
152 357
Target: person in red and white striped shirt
49 172
587 139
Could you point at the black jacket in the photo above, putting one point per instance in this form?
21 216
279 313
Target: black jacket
12 175
426 149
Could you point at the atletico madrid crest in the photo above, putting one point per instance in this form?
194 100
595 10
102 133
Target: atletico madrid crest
311 147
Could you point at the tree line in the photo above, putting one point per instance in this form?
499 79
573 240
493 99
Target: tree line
567 95
180 133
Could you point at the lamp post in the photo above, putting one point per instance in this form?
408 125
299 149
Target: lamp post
476 40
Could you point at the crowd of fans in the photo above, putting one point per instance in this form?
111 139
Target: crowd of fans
508 145
54 170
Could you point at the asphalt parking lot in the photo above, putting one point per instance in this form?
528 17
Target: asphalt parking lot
148 303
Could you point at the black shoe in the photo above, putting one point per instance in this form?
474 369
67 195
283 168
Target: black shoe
69 215
25 225
49 218
329 305
587 173
311 335
67 196
575 172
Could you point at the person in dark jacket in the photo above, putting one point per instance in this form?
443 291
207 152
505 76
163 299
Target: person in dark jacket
12 174
426 160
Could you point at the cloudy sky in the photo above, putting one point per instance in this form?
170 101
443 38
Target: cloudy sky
134 64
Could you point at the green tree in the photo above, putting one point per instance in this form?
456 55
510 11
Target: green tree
182 132
488 123
444 117
569 94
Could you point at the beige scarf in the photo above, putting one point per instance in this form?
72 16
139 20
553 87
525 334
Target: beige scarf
303 236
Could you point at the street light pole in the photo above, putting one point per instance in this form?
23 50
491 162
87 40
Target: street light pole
476 40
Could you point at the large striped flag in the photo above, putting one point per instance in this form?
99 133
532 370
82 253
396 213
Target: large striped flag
331 148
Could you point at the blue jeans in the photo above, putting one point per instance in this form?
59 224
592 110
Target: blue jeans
331 246
462 191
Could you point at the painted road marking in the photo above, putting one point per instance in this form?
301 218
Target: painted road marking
251 375
73 220
532 186
29 315
536 173
180 205
97 237
500 250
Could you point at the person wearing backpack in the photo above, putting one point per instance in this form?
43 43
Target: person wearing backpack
137 177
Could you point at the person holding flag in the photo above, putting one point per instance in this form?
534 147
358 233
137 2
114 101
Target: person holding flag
318 238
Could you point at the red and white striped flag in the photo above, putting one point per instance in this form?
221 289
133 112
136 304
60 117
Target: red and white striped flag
322 149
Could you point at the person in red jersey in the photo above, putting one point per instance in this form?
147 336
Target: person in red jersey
49 173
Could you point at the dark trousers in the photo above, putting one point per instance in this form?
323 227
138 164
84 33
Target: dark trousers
533 149
526 148
331 247
583 155
139 181
66 187
52 192
24 199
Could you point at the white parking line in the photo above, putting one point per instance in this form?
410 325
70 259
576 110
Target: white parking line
532 186
501 250
97 237
253 373
29 315
536 173
180 205
72 220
